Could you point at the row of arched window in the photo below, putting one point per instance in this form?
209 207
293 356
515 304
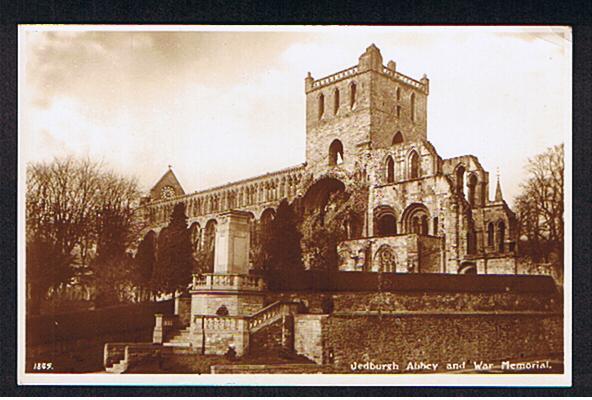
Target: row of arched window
415 219
271 189
414 170
337 100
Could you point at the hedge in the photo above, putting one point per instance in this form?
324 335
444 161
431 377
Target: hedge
88 324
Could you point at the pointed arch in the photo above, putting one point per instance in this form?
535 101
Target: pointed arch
386 259
352 94
335 101
501 233
490 233
321 105
390 170
398 138
414 169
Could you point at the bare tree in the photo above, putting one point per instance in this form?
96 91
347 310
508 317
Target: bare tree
540 207
70 209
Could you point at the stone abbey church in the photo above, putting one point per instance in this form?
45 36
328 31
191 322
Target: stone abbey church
368 123
446 251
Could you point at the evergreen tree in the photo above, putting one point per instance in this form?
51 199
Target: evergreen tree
282 241
174 259
145 262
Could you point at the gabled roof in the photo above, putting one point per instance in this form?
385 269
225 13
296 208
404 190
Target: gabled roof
170 176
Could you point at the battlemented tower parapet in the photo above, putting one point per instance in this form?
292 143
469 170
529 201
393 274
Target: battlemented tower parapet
365 106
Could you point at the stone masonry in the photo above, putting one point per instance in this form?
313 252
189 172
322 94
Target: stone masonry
368 123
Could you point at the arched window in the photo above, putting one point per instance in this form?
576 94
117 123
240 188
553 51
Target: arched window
390 170
387 226
398 138
460 179
336 101
413 166
435 230
471 186
352 94
385 221
335 153
501 232
490 239
412 107
386 259
321 105
415 219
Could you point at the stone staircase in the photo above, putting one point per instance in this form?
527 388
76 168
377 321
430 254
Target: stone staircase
180 338
118 357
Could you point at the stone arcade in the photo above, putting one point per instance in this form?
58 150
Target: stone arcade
425 214
369 123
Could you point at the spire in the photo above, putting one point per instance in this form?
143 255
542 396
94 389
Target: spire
498 190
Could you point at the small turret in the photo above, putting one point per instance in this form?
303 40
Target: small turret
371 59
308 82
498 191
426 83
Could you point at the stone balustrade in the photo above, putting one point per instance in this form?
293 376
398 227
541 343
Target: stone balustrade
233 282
405 79
248 323
335 77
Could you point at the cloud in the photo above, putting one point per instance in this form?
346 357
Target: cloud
224 106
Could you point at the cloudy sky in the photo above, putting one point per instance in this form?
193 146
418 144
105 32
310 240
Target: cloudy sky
220 105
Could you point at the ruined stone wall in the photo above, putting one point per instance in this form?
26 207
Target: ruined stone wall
440 338
385 123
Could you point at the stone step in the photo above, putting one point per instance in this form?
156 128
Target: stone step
117 368
177 344
181 350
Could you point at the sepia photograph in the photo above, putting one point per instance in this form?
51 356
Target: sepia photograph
294 205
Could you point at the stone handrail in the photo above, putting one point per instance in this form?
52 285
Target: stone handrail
335 77
228 282
249 323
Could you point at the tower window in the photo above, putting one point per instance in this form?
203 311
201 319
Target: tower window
352 94
336 101
435 230
390 170
412 106
398 93
501 228
398 111
398 138
321 105
335 153
414 166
